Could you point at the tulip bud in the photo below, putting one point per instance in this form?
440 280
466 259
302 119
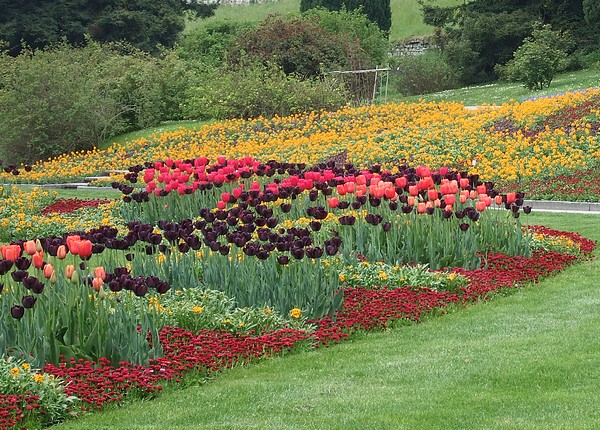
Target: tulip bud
97 283
48 270
53 277
69 271
99 272
61 252
38 246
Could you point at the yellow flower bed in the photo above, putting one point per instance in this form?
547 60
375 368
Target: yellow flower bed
433 134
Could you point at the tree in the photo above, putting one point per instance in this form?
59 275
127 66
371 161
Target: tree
538 59
477 35
378 11
143 23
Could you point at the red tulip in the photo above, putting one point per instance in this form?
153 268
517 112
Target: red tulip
401 182
450 199
413 190
480 206
38 260
85 248
432 194
511 197
11 252
333 202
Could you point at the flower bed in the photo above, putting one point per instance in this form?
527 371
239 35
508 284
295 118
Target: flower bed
513 143
126 307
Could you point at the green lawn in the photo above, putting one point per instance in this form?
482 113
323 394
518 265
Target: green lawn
526 360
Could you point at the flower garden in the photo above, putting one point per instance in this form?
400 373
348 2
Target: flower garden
247 239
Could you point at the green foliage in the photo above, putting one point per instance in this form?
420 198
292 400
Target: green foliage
17 377
257 90
353 25
65 99
477 35
377 11
202 309
208 45
422 74
298 45
369 275
537 61
144 23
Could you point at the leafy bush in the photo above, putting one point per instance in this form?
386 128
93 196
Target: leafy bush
422 74
208 45
539 58
65 99
258 90
356 26
298 46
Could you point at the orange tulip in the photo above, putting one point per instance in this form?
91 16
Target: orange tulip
97 283
421 207
69 270
61 252
99 272
480 206
30 247
48 270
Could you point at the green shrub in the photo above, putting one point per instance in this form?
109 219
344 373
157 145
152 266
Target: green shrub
422 74
208 45
65 99
258 90
298 46
539 58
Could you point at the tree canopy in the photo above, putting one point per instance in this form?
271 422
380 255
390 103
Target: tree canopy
477 35
143 23
378 11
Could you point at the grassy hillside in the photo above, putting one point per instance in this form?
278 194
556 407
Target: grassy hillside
407 20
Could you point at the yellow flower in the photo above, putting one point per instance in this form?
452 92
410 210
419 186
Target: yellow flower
25 366
268 310
242 324
296 313
39 378
382 275
197 309
14 371
342 278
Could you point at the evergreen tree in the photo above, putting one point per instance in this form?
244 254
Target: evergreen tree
143 23
378 11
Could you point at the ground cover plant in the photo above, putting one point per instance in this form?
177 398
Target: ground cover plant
155 288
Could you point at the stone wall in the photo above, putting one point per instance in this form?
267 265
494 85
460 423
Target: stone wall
412 46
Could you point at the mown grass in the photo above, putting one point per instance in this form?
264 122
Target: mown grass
524 360
407 19
507 92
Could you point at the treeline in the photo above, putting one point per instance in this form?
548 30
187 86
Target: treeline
74 73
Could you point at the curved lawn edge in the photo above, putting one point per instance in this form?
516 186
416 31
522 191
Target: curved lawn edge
99 384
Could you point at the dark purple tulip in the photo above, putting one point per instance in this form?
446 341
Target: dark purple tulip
331 250
17 312
387 226
393 205
516 214
224 250
162 287
28 301
464 226
297 253
140 289
283 260
429 211
356 204
5 266
407 209
527 209
459 214
447 214
23 263
37 287
18 275
315 225
514 209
